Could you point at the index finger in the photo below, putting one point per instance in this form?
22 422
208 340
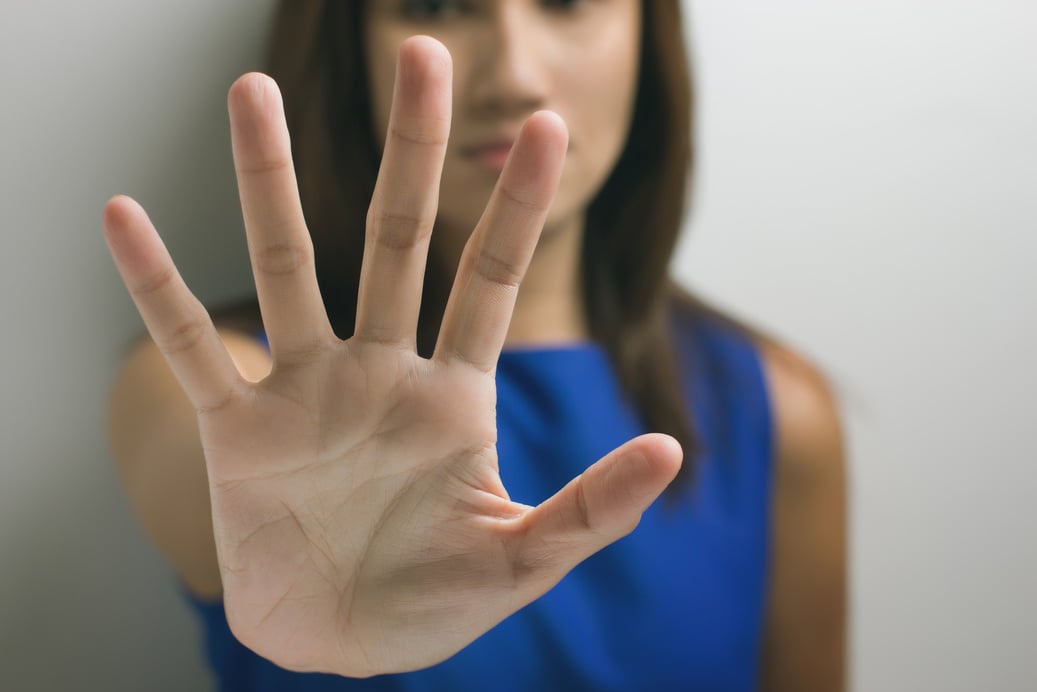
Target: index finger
496 257
279 242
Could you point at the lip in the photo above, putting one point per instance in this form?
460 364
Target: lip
491 154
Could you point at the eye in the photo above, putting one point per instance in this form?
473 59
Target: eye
563 5
433 9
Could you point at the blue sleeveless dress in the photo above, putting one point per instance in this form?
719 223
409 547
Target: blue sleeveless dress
676 605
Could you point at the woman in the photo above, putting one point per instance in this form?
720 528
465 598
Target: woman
359 522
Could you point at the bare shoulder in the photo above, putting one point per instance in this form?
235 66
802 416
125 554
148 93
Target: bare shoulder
805 641
145 391
146 395
145 365
807 421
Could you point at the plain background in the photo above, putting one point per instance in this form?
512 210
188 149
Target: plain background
866 190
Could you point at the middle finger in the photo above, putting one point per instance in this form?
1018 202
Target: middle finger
406 195
279 243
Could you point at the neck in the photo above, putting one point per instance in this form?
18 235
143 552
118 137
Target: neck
549 307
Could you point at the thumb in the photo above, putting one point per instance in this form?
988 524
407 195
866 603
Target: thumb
596 508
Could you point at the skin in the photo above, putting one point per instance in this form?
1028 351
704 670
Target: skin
419 528
804 645
576 59
361 527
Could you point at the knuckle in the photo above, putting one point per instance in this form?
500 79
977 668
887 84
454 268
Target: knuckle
419 133
303 353
458 354
282 258
155 283
218 404
398 231
384 336
527 203
185 337
498 270
479 364
265 166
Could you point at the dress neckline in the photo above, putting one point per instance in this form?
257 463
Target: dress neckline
560 348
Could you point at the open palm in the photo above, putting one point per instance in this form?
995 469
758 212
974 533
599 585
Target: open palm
360 521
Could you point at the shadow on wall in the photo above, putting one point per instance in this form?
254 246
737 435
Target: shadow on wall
85 602
95 607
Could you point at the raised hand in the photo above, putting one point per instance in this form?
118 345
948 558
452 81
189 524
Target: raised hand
360 521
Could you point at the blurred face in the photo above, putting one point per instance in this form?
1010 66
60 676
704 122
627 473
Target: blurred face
578 58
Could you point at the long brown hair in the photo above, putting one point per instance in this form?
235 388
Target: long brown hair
317 58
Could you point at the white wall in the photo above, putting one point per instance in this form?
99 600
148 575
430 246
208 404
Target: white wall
96 98
869 190
866 190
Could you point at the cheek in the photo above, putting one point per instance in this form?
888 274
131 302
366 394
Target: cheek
598 104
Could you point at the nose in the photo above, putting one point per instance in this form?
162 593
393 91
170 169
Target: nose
511 75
